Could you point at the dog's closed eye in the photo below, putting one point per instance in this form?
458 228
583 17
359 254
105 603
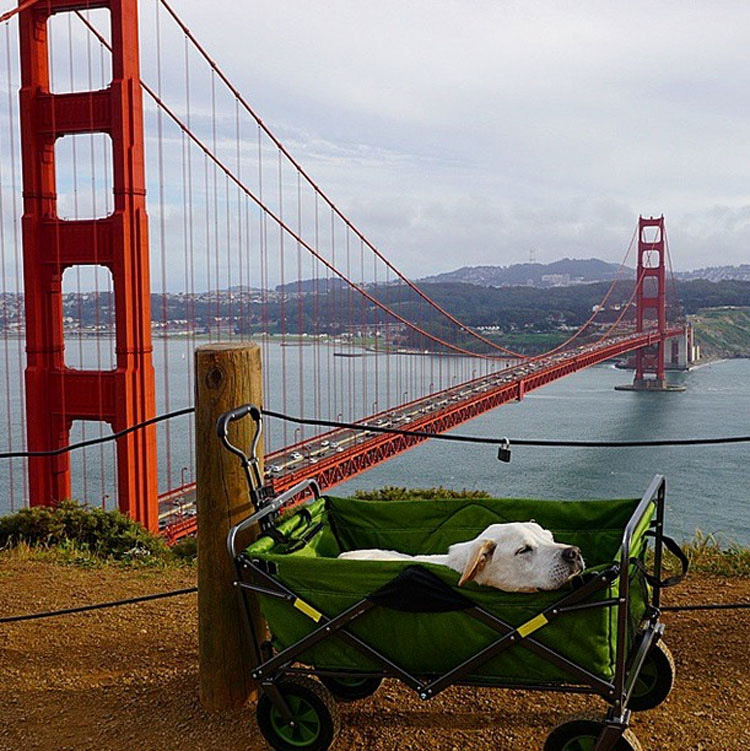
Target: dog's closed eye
524 549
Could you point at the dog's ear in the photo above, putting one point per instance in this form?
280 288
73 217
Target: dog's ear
479 557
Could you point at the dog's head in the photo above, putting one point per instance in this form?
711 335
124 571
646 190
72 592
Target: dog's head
517 557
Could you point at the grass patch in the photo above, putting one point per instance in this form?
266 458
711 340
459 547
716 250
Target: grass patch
710 554
73 533
723 332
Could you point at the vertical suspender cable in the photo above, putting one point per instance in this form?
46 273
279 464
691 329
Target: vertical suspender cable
315 269
6 306
217 313
300 351
191 251
350 320
163 249
229 311
238 213
376 332
282 316
264 284
364 338
188 259
390 343
338 386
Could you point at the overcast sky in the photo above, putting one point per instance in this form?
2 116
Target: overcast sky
471 132
466 132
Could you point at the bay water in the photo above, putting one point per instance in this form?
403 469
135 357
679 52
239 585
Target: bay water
708 486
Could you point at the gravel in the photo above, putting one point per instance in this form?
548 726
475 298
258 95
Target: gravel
126 679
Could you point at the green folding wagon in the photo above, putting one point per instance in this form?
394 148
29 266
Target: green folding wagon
337 627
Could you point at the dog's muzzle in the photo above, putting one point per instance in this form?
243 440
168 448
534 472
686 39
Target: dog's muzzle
572 556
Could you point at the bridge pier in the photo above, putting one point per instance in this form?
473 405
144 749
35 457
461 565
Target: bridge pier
681 351
650 384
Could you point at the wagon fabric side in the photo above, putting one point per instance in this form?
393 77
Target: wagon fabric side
431 643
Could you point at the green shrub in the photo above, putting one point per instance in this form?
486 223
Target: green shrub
186 549
88 530
393 493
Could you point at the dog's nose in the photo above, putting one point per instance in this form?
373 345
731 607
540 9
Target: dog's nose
571 554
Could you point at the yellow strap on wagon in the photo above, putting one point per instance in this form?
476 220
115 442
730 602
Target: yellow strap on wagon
308 610
533 625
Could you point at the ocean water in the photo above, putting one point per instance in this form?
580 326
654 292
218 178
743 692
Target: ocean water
707 485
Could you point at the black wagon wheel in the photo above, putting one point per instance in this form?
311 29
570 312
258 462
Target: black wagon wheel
655 679
352 688
581 734
314 724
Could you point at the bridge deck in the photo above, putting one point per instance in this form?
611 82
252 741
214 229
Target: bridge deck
341 454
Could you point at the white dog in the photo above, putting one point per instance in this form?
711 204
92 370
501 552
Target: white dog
513 557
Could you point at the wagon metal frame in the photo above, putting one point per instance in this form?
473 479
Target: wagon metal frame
256 576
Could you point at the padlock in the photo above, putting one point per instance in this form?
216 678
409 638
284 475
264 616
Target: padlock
503 451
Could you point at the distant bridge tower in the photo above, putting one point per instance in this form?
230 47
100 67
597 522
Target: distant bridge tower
55 394
651 297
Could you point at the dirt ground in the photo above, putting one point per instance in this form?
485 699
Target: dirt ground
126 679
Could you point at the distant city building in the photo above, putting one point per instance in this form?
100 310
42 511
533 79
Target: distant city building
556 280
717 273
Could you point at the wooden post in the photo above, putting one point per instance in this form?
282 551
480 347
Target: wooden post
226 376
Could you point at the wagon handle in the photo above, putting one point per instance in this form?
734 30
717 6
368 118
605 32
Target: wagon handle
250 464
674 548
270 508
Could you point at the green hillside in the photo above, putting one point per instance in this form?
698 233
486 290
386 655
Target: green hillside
722 332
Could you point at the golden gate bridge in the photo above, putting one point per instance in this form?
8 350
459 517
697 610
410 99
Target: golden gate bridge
133 170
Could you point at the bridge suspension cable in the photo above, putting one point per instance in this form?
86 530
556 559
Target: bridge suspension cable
301 242
241 99
319 192
623 313
597 308
293 234
673 281
13 11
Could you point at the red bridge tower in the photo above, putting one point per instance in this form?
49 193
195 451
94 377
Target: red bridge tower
55 394
651 301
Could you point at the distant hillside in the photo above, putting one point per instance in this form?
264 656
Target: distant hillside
318 285
557 274
563 273
722 332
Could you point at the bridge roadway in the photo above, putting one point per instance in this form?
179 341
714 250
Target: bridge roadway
342 453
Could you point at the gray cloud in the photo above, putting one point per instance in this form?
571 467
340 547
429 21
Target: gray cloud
471 131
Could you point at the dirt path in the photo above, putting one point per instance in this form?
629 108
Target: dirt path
126 679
